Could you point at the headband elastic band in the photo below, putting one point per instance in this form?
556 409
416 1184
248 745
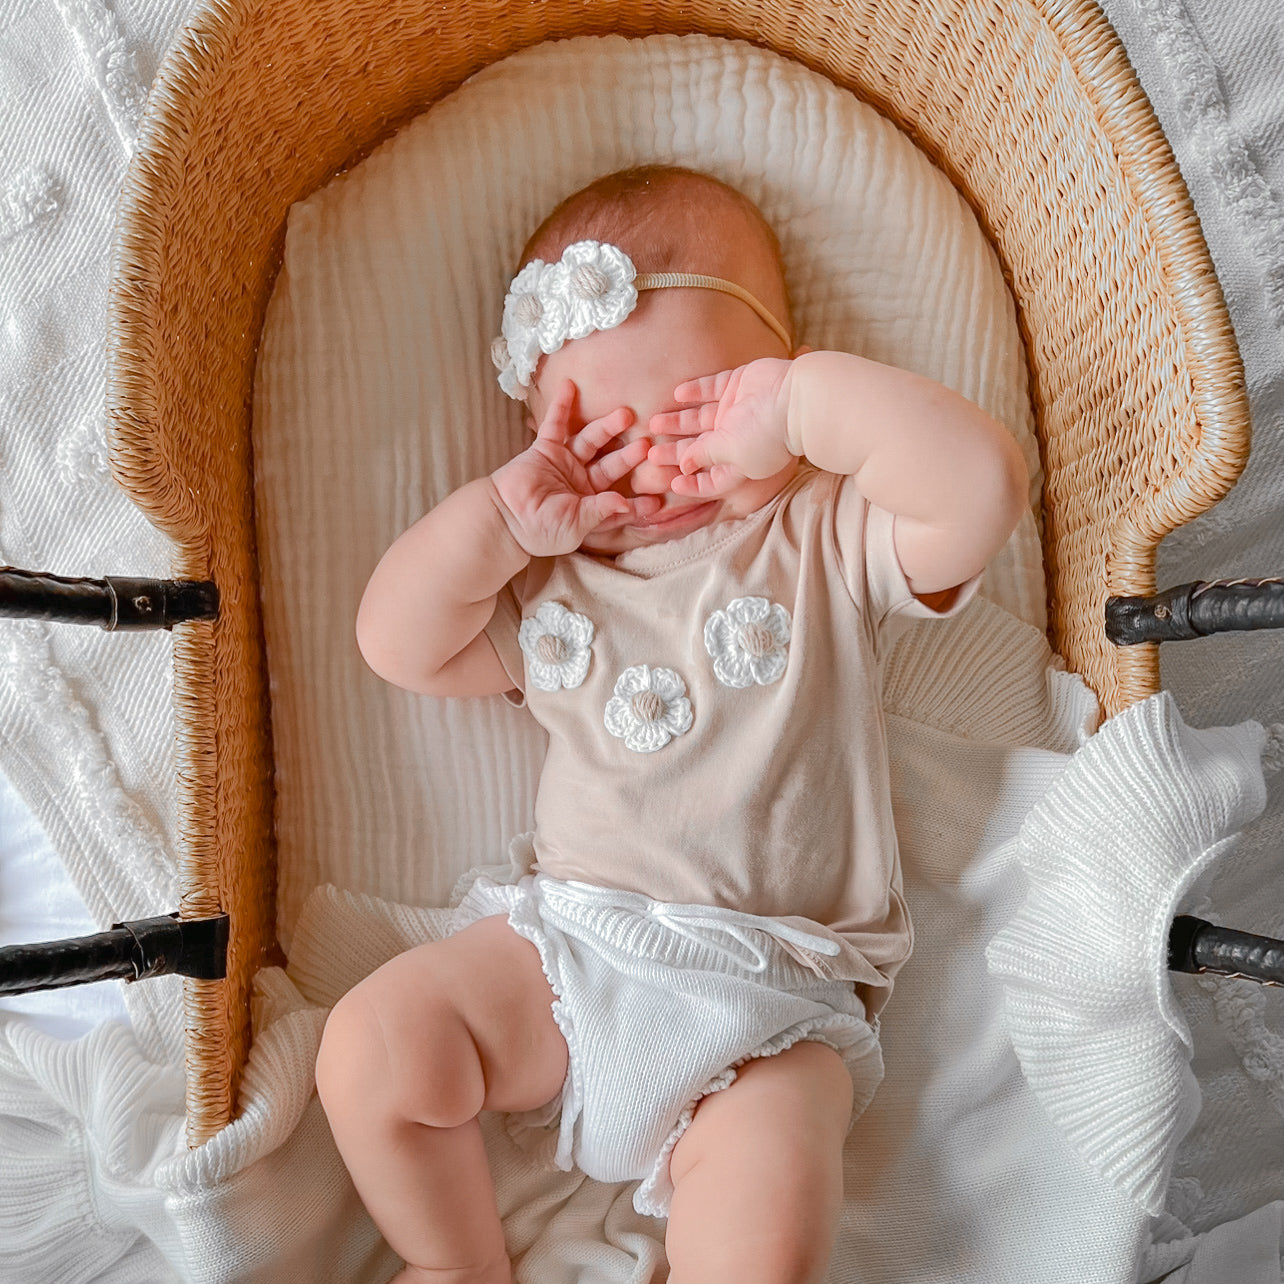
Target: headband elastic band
665 280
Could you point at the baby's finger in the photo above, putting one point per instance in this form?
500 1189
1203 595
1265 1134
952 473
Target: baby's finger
705 388
556 424
706 485
594 435
639 509
614 464
697 455
684 423
664 453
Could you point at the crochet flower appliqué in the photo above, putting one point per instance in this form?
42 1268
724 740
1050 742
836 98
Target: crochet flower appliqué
648 709
534 321
748 640
597 286
556 643
589 288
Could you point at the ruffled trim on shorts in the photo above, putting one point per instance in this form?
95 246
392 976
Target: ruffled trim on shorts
863 1058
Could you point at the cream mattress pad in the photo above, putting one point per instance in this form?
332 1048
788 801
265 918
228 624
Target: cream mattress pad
375 395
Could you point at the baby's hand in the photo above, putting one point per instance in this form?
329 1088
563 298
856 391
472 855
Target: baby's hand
736 421
557 491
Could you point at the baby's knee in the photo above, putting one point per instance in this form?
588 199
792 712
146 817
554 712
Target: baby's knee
351 1057
420 1066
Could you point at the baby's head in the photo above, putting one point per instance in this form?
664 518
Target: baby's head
666 220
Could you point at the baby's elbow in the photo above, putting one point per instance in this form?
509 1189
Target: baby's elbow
412 667
381 654
994 497
376 659
370 638
1008 489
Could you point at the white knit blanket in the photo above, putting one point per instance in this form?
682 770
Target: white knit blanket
89 1130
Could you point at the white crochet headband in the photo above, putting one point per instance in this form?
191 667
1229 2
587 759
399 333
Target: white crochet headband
593 286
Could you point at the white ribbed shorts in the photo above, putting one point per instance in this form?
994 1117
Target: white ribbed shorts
659 1004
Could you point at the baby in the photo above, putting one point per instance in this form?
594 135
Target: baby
692 576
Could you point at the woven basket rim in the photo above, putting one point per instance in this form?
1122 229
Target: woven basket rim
1097 54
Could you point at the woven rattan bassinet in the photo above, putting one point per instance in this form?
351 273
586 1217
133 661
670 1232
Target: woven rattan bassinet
1028 105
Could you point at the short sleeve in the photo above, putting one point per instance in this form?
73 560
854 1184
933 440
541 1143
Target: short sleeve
865 537
502 631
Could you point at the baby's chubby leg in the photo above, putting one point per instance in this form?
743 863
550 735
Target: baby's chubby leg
758 1175
408 1058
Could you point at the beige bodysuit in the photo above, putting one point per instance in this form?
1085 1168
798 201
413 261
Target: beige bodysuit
715 730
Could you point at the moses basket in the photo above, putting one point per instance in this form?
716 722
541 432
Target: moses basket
1030 108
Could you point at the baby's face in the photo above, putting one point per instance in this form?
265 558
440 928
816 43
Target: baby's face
674 334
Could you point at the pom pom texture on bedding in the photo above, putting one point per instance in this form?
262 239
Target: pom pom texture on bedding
375 393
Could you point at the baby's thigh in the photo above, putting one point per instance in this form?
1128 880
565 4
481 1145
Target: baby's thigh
757 1175
791 1109
452 1027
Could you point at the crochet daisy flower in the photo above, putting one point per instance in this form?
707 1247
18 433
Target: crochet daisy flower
535 318
648 709
589 288
748 640
596 287
556 643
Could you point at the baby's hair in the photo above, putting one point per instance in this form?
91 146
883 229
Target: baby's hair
667 219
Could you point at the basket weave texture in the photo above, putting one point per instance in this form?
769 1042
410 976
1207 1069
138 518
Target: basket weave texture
1029 106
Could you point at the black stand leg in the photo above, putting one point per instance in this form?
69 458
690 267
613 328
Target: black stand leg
131 951
115 602
1198 946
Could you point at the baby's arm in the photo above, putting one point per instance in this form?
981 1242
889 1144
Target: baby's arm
421 617
953 475
421 620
